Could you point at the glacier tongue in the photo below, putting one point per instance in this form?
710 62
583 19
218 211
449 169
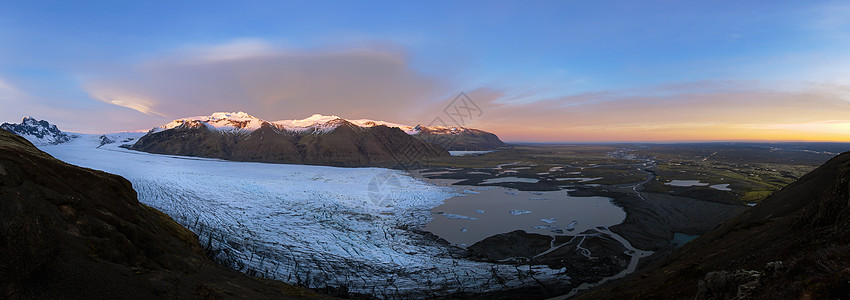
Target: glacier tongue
309 225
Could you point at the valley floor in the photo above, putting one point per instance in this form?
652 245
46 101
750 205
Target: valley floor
363 230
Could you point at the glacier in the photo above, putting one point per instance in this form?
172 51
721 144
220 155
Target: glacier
313 226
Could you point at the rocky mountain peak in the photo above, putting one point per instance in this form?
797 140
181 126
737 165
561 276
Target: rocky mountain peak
38 132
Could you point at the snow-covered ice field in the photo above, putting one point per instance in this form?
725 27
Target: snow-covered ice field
314 226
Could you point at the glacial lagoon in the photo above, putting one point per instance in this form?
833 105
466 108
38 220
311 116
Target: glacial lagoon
481 212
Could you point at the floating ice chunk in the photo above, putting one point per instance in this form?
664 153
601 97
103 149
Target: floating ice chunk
548 227
572 226
550 220
470 192
517 212
480 211
463 229
456 216
551 228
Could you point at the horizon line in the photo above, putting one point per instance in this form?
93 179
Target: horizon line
674 142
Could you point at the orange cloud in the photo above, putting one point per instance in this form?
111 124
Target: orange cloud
272 83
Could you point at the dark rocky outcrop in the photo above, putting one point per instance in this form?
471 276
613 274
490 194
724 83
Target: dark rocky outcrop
587 258
74 233
460 138
737 284
806 226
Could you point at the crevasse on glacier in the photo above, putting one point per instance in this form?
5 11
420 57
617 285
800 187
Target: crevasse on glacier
308 225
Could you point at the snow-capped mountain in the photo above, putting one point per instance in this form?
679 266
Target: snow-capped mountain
241 121
319 139
448 137
38 132
219 121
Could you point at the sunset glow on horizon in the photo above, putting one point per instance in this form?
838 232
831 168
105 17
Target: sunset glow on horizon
563 71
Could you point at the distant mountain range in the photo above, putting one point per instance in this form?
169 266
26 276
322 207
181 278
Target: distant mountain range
38 132
319 139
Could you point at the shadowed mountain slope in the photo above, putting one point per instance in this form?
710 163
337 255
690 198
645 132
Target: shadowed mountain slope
794 244
342 143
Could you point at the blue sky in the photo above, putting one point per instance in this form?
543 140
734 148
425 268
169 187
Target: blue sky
525 61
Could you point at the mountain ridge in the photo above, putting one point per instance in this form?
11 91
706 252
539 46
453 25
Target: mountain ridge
320 140
38 132
449 137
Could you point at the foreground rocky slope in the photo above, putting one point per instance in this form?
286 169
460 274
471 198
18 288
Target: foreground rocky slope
74 233
794 244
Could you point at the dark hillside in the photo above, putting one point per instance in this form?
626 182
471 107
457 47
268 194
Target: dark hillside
794 244
74 233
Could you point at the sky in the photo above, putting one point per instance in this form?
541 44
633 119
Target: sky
540 71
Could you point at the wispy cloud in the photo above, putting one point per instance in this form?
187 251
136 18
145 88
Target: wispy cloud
126 99
70 115
274 83
6 88
237 49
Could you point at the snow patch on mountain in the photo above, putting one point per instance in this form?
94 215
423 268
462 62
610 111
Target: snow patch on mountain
371 123
317 123
221 121
38 132
123 139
